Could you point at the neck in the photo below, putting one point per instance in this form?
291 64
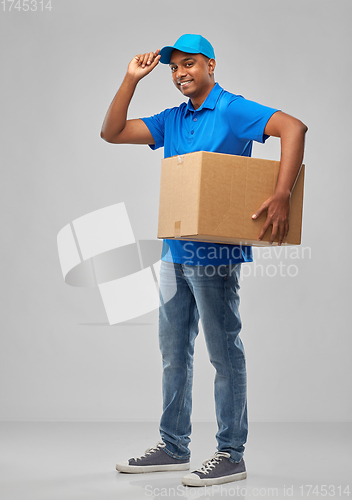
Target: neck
197 101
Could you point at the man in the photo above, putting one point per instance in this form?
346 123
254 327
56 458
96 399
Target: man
217 121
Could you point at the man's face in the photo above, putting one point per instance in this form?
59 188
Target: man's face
192 74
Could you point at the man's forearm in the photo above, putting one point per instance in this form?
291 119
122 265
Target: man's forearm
292 134
292 151
116 116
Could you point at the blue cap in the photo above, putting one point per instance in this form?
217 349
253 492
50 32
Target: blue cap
191 44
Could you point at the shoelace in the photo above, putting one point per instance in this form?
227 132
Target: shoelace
212 462
151 450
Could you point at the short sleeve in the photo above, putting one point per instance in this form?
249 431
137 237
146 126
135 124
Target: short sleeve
248 119
156 126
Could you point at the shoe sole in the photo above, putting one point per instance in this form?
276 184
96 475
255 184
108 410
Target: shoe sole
139 469
194 481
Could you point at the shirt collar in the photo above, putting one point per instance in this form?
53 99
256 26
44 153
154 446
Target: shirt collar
209 102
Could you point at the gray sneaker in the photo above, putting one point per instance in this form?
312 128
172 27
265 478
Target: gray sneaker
155 459
217 470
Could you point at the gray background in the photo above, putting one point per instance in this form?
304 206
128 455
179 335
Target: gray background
59 359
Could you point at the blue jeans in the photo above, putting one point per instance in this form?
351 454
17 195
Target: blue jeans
210 293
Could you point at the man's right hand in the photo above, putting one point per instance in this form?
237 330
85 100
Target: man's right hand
142 64
116 128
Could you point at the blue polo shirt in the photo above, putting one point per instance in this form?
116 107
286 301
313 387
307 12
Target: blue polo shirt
224 123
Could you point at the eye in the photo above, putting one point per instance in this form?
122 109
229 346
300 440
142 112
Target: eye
173 69
189 64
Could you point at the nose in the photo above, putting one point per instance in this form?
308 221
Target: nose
180 72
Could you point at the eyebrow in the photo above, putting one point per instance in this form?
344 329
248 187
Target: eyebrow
183 60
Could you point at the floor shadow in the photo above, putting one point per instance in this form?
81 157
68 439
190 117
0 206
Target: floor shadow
119 324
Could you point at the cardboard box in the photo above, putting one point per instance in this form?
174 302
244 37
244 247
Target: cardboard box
212 197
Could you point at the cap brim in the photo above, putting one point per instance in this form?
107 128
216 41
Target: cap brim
167 51
166 54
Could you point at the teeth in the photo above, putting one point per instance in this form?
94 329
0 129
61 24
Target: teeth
185 83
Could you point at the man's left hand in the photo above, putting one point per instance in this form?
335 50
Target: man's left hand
278 211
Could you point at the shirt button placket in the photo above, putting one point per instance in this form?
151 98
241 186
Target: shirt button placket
194 119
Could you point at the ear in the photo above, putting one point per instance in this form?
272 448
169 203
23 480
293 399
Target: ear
211 66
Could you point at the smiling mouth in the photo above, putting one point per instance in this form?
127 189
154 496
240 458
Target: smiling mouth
184 84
